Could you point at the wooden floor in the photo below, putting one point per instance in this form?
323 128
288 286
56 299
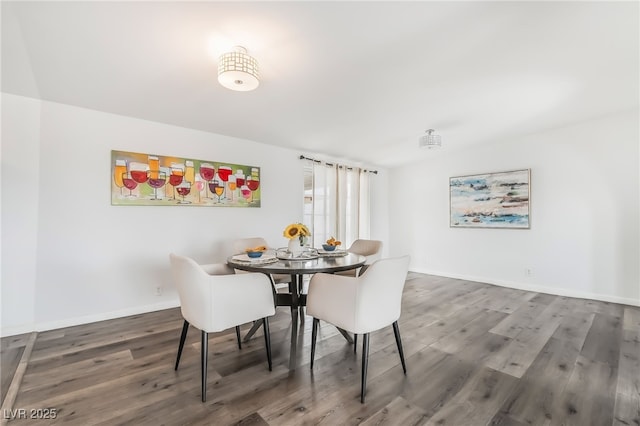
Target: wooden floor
476 354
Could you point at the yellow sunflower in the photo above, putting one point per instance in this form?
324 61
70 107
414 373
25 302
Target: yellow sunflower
296 230
304 231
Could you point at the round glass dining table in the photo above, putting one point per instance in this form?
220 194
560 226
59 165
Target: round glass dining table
297 268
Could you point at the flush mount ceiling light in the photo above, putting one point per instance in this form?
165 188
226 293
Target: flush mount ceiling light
238 71
430 140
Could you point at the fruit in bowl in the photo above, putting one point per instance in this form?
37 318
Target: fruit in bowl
331 244
255 252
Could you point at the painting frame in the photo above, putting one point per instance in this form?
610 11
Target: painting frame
143 179
498 200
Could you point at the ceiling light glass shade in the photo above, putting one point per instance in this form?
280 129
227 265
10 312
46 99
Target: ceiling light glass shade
430 140
238 71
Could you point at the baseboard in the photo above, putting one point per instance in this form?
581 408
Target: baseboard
18 329
536 288
70 322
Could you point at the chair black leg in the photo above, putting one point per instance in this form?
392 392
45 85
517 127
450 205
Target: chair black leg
365 363
314 336
203 363
238 336
183 337
396 331
355 342
267 339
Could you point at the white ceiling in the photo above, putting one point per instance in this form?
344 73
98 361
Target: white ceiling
357 81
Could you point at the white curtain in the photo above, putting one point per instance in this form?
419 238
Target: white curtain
339 201
364 202
324 203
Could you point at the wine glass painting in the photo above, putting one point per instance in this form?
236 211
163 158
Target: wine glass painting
156 180
129 183
183 189
119 171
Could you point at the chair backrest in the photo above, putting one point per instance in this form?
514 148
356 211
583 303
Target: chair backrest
241 244
371 249
379 296
216 299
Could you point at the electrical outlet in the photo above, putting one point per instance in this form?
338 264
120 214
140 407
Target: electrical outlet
158 291
528 272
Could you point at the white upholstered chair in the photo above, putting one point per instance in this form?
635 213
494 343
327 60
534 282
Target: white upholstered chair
241 244
371 249
280 282
213 298
360 305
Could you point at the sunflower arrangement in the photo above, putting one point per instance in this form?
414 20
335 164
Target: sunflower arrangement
297 230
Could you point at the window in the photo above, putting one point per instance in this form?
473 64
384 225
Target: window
336 202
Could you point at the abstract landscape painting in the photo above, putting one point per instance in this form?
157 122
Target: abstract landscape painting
491 200
155 180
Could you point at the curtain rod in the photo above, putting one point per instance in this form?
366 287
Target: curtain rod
302 157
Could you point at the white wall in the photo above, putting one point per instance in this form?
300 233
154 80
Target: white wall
20 176
584 236
70 257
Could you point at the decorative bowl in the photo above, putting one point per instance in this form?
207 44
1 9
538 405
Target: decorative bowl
254 254
328 247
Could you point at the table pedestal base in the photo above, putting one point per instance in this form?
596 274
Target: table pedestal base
295 299
297 302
